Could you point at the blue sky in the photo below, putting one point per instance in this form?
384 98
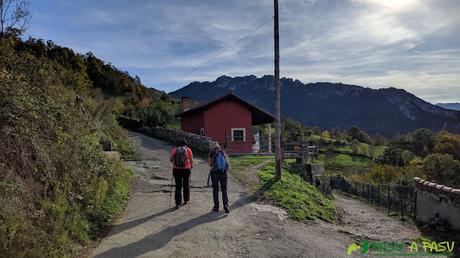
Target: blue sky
410 44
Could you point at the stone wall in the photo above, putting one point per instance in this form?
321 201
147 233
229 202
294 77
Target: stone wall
129 123
437 205
317 169
176 136
308 171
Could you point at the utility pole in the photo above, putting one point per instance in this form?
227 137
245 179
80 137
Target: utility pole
278 153
269 138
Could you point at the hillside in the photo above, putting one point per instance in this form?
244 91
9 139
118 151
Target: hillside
451 106
58 189
328 105
88 74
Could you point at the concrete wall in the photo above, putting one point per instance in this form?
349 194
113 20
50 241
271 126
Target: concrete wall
175 136
437 205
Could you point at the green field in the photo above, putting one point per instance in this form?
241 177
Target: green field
345 160
377 151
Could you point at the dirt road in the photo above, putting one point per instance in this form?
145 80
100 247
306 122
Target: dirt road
149 227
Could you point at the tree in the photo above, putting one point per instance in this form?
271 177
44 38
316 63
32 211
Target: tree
293 130
137 79
391 156
407 156
356 134
326 135
336 133
423 141
14 16
379 139
316 130
442 168
402 141
448 143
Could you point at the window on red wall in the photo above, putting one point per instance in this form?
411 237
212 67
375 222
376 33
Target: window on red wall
238 134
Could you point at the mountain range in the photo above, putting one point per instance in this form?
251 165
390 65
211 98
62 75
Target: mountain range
452 106
386 111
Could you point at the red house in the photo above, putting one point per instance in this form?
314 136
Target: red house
228 120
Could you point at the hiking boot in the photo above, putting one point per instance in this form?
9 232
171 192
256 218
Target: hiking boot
227 209
177 206
185 203
216 209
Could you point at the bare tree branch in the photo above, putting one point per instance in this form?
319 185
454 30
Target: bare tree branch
14 16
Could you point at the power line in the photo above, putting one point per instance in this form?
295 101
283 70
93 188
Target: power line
223 50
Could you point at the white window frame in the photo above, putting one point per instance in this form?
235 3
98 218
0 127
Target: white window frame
239 129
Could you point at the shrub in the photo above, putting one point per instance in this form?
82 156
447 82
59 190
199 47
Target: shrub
442 168
385 174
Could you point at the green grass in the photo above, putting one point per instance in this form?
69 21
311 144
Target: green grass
346 160
314 138
379 150
298 198
243 162
239 166
345 149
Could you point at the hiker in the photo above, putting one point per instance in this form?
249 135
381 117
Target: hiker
218 162
182 160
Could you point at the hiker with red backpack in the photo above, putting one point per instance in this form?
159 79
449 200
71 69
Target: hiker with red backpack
182 160
218 162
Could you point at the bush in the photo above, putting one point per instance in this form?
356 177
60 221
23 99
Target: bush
385 174
442 168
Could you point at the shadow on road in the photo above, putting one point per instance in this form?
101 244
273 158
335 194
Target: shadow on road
132 224
160 239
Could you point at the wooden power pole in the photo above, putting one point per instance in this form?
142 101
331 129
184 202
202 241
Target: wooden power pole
278 151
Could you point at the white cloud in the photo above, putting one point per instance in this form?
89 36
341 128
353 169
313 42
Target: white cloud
411 44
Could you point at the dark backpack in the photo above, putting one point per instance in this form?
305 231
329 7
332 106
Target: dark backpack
180 156
219 162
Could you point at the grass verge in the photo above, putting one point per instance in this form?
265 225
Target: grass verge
299 199
240 168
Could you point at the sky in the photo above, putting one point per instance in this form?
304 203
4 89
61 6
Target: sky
409 44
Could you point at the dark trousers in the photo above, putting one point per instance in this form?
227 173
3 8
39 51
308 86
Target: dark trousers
219 177
181 177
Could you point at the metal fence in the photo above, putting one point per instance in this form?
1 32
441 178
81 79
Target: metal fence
395 198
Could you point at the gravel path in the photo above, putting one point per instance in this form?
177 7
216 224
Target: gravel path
370 223
149 227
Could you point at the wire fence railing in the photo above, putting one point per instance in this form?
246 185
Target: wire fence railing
396 199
